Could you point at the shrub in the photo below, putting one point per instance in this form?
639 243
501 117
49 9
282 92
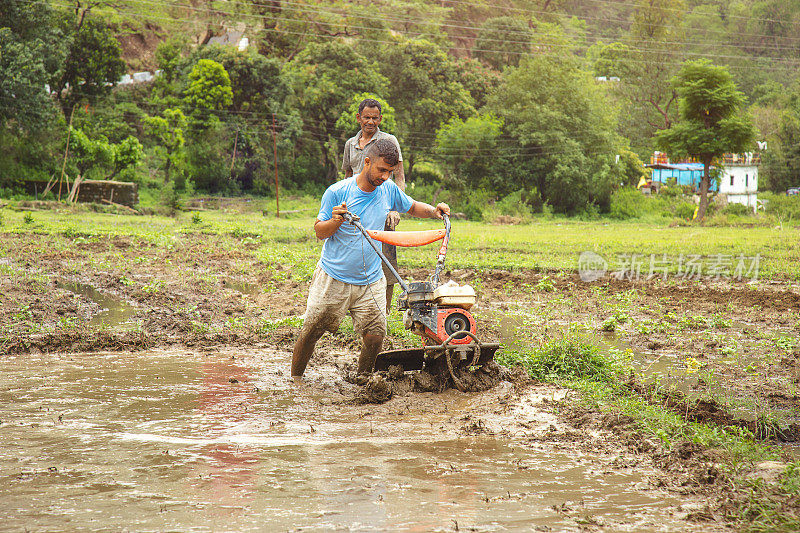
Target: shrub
737 210
512 205
670 192
473 212
685 210
782 206
564 358
627 203
426 173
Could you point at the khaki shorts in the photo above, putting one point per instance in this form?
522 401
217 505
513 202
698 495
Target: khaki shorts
329 300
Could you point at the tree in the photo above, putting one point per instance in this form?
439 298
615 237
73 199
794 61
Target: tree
125 155
559 136
23 99
86 154
29 54
711 120
479 80
325 78
776 114
169 56
426 91
100 156
209 87
168 132
93 65
644 62
468 150
236 154
257 83
502 41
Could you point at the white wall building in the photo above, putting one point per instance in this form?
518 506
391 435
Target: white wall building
740 179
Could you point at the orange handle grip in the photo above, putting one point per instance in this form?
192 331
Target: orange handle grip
407 238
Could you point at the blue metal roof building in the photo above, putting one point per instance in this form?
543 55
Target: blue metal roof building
684 173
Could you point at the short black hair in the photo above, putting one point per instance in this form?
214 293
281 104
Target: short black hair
369 102
384 148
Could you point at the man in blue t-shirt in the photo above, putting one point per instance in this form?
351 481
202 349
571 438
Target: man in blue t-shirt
349 277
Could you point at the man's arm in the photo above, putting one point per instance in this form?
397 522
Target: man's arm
326 228
399 180
423 210
348 169
400 177
400 173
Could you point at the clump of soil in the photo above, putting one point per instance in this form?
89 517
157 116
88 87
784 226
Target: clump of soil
382 386
377 390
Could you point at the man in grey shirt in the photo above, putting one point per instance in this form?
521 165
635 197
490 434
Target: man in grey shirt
369 117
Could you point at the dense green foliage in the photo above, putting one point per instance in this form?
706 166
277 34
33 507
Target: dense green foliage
487 101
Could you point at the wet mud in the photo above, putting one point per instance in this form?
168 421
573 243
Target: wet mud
176 439
713 351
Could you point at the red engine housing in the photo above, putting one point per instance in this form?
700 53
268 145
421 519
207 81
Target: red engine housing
449 320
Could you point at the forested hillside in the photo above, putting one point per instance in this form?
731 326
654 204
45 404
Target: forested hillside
556 102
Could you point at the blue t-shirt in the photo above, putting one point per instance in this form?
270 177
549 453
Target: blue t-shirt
346 255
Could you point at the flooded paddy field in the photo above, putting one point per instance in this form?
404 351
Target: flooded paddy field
145 385
175 439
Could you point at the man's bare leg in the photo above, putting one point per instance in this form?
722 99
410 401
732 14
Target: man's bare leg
304 349
371 344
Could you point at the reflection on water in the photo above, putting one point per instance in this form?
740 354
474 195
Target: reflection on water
251 289
114 313
175 440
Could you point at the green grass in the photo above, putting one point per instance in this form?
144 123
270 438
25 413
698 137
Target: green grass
761 513
547 245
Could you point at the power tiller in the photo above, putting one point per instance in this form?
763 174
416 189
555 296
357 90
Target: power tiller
438 313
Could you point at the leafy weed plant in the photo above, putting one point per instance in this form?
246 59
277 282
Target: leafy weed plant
562 359
617 319
545 284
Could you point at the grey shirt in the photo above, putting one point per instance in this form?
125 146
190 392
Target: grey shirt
354 156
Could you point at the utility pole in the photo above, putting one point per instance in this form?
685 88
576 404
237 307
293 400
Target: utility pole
277 187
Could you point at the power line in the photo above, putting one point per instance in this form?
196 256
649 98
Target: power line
306 9
518 53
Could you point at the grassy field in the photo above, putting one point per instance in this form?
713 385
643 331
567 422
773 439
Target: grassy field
544 245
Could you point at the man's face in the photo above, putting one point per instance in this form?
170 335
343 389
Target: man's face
379 171
369 119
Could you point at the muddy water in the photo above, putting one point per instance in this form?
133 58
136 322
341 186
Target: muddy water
224 441
113 311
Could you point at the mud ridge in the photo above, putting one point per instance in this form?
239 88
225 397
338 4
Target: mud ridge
711 412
